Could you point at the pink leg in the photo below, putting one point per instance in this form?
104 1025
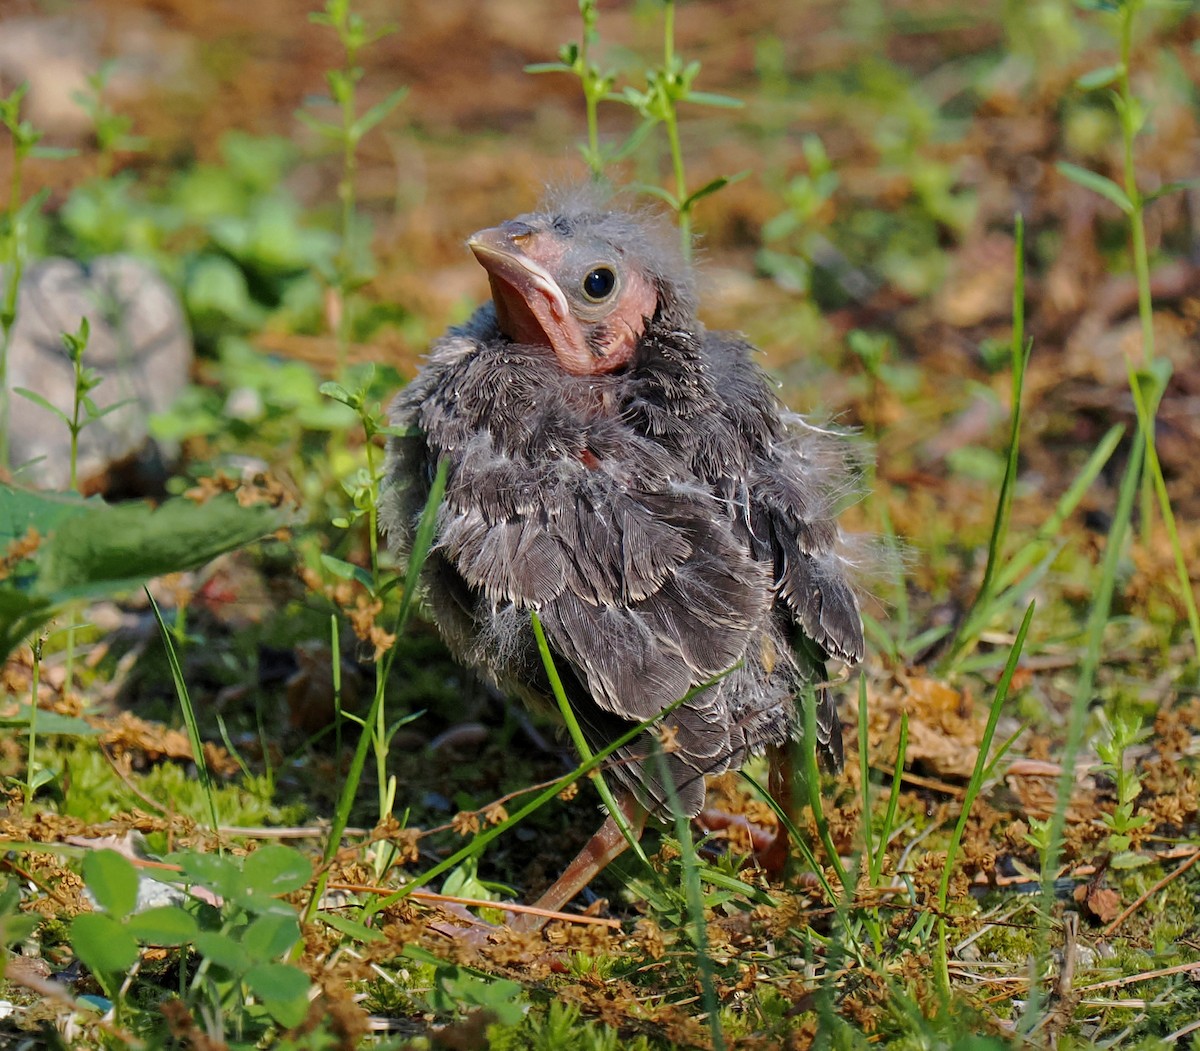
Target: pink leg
605 845
774 856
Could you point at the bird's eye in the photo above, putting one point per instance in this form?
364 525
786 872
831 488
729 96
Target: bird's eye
599 283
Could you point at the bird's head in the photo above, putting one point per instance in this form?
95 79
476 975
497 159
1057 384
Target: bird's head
583 280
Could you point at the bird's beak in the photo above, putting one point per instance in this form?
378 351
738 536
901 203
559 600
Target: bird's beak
530 305
502 254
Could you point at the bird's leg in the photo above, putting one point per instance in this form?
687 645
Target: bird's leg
774 856
606 844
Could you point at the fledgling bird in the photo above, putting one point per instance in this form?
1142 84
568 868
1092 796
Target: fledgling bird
634 479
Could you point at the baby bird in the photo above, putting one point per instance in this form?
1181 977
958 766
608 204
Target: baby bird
632 478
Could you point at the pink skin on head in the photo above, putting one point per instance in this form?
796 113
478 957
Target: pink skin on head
533 309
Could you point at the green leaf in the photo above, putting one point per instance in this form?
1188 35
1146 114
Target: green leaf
324 128
283 990
337 392
95 413
53 153
268 872
20 616
456 988
211 871
1152 380
222 950
1129 860
710 188
113 881
357 931
102 943
22 510
163 925
92 549
377 112
660 193
37 399
1099 78
39 779
631 144
348 571
269 937
276 869
47 722
1097 183
549 67
17 927
1179 186
115 548
708 98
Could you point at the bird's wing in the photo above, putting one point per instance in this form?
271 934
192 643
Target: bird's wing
782 479
789 510
646 595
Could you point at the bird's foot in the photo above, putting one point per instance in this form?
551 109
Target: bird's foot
766 847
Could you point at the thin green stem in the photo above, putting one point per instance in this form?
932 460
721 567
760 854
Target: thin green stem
373 505
864 778
1145 415
685 218
668 33
866 858
75 429
347 196
380 743
14 183
580 742
591 96
1129 131
16 262
31 762
671 122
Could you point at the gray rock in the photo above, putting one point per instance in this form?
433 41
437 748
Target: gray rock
139 344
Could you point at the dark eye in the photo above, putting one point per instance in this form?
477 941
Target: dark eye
599 283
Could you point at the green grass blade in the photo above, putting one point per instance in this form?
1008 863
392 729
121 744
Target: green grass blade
580 742
694 897
982 764
189 719
980 610
1063 509
1098 618
812 780
864 779
889 818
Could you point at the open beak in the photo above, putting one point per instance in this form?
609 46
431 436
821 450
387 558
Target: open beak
530 305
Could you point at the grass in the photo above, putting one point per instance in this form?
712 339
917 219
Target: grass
1026 720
